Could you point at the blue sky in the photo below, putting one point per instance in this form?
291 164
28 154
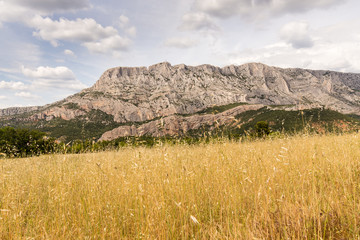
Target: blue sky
51 49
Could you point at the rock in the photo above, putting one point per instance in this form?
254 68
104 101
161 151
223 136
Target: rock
17 110
140 94
178 125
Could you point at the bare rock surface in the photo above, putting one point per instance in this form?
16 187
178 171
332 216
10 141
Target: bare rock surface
162 89
142 94
178 125
17 110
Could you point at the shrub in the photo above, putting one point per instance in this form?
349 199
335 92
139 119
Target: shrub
262 129
24 142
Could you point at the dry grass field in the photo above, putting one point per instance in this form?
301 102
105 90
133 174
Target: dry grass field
303 187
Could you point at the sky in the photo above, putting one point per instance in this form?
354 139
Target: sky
50 49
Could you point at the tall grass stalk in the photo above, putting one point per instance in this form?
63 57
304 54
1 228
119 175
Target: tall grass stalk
302 187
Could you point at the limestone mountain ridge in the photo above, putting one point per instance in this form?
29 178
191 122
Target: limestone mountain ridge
144 94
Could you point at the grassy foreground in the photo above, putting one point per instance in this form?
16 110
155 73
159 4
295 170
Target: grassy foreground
304 187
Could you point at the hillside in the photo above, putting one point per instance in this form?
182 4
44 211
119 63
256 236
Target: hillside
142 101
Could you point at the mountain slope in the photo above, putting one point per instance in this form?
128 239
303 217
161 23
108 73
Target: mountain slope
140 95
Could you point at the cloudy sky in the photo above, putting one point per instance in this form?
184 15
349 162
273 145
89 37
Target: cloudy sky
50 49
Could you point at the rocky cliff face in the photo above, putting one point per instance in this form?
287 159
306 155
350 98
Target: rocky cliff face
17 110
142 94
179 125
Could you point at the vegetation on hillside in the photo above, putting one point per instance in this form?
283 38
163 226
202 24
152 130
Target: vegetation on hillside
89 126
221 108
79 135
280 121
317 120
24 142
300 187
262 129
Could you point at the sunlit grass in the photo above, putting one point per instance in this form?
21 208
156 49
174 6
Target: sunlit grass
303 187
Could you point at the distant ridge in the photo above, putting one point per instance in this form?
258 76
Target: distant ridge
129 95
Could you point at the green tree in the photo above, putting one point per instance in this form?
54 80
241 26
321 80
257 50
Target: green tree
262 129
24 142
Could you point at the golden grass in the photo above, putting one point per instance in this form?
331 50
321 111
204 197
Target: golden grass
304 187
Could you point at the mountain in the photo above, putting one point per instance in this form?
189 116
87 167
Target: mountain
143 100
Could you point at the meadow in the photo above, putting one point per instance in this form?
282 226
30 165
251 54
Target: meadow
298 187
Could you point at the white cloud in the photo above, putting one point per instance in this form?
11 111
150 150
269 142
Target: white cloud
12 85
323 56
260 9
24 10
297 34
180 42
68 52
11 12
85 31
336 47
124 24
82 30
50 73
58 77
3 97
131 31
123 21
106 45
196 21
50 6
223 8
295 6
26 95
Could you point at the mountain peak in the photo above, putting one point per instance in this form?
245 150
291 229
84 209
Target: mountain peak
141 94
160 65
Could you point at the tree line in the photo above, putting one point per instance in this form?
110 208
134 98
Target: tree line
26 143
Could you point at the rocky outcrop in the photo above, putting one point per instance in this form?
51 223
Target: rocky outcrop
142 94
58 112
17 110
179 125
162 89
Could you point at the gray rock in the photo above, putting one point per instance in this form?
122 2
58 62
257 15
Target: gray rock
17 110
138 94
179 125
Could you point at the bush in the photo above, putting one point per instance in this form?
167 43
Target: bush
262 129
24 142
